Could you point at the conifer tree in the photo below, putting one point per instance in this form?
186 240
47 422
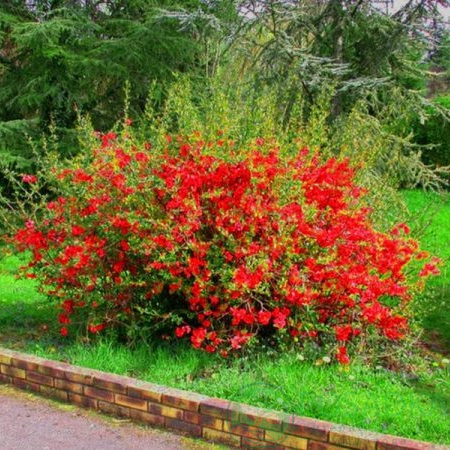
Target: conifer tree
58 57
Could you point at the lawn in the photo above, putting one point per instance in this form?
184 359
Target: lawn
430 219
415 406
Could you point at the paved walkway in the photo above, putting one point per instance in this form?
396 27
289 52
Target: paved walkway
28 422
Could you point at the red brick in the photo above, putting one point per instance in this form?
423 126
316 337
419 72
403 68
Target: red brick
113 409
53 368
5 359
206 421
131 402
262 418
314 445
99 394
221 436
223 409
166 411
184 400
26 385
5 379
286 440
252 444
81 400
308 428
144 393
39 378
211 422
353 437
24 364
146 417
243 430
79 375
193 417
398 443
110 383
52 392
12 371
69 386
194 430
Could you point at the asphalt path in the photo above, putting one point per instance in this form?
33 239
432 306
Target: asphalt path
30 422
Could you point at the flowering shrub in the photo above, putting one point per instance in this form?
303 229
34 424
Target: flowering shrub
224 250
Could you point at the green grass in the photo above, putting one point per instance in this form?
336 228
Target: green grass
23 311
430 219
374 399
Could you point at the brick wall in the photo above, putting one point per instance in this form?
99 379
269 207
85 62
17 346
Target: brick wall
197 415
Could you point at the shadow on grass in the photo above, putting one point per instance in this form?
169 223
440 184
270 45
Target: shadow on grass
436 319
22 322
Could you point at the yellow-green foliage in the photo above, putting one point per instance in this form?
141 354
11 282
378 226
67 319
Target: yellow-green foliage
225 107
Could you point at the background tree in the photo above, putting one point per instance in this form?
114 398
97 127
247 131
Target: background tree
59 57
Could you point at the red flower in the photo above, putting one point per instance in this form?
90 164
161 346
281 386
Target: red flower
198 336
77 230
343 333
342 356
29 179
107 139
264 317
63 319
96 328
253 244
64 332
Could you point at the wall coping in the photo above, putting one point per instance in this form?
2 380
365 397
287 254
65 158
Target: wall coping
198 415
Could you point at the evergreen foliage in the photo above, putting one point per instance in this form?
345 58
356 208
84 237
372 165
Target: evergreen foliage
63 57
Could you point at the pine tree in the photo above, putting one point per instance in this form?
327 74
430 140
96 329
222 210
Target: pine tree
61 57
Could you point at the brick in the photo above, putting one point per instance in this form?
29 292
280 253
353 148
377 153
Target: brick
113 409
26 385
353 437
211 422
252 444
193 417
5 359
398 443
5 379
39 378
181 425
308 428
54 393
145 394
81 400
221 436
206 421
79 378
110 383
243 430
286 440
145 417
24 364
53 368
131 402
217 407
183 400
12 371
99 394
166 411
69 386
9 353
315 445
262 418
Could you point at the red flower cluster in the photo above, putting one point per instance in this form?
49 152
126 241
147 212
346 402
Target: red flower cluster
223 249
